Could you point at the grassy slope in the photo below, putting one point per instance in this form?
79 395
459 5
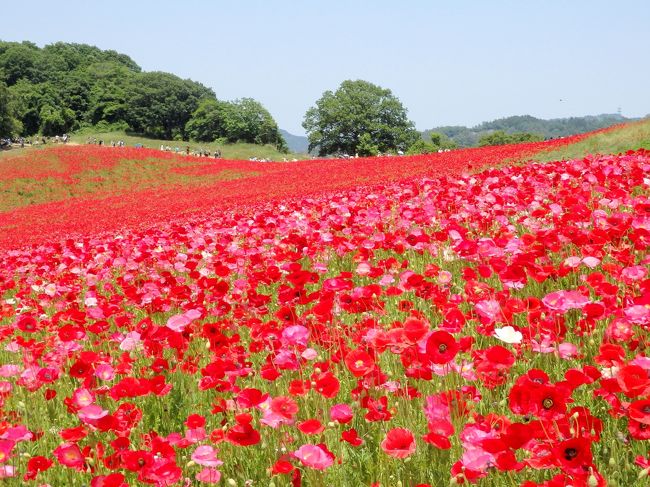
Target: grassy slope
228 151
629 137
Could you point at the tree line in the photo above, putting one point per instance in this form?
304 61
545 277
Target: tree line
63 87
525 124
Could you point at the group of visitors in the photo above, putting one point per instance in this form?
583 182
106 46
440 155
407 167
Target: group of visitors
201 152
113 143
8 143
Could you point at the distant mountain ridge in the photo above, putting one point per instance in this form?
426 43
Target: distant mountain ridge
556 127
296 143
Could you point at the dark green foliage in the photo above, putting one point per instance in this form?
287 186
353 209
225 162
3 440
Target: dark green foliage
438 142
366 146
9 125
421 147
558 127
244 120
160 104
358 116
499 137
63 87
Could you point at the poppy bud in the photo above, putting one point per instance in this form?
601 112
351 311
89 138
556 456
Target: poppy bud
231 482
644 473
593 481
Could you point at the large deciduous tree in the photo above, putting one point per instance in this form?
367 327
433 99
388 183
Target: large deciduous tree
359 117
244 120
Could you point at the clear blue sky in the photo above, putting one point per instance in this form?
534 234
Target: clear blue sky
449 62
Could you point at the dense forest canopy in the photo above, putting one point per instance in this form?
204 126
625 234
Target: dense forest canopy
63 87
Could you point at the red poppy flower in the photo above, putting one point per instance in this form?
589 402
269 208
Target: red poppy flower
311 427
634 381
638 431
137 460
281 467
441 347
195 421
243 434
284 406
327 384
549 401
573 455
399 443
440 430
359 363
352 437
27 324
35 465
415 329
112 480
640 411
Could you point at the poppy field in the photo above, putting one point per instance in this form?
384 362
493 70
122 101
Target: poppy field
426 321
61 191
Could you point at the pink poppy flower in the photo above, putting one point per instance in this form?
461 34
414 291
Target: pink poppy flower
206 456
209 476
314 456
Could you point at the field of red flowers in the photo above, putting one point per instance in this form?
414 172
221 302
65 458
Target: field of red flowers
54 193
431 330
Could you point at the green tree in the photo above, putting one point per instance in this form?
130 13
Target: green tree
499 137
441 141
438 142
110 87
20 61
421 147
161 104
341 118
27 100
244 120
525 137
56 120
207 122
366 146
9 125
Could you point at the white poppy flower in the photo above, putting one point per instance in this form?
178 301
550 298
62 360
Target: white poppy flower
508 334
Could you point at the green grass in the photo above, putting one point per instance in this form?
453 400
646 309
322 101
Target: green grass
239 150
629 137
123 177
